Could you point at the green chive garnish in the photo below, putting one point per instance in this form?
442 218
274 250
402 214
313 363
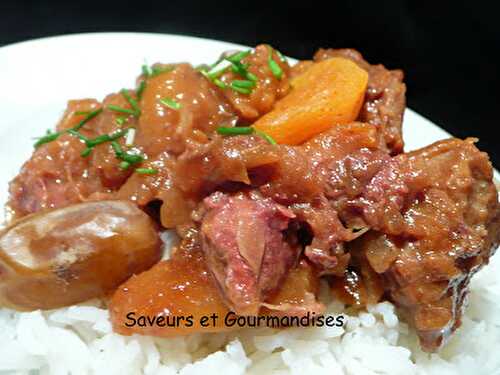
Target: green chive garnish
120 120
247 84
89 117
125 156
146 70
242 70
86 152
239 68
171 103
146 171
244 130
116 148
241 90
132 158
219 83
124 165
121 110
251 77
133 103
47 138
266 137
239 130
216 73
238 56
140 89
106 138
274 66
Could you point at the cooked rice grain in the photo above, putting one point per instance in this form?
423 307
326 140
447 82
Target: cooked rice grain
79 340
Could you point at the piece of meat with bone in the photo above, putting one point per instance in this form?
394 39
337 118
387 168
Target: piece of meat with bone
385 99
436 217
245 247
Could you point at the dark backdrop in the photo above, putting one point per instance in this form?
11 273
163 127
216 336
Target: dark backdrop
448 50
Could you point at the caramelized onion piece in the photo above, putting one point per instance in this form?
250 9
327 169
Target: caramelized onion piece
65 256
171 298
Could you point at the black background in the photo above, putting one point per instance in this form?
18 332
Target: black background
448 50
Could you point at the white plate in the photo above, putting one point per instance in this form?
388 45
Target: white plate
38 77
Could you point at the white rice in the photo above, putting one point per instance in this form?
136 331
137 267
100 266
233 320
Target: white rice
79 340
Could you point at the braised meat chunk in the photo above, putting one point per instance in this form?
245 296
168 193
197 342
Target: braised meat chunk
245 248
436 217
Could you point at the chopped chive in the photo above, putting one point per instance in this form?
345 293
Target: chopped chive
275 69
242 70
124 165
146 70
120 120
98 140
240 130
116 148
274 66
251 77
131 158
133 103
219 83
121 110
238 56
239 68
106 138
266 137
217 73
244 130
140 89
146 171
170 103
89 117
86 152
247 84
124 156
241 90
47 138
